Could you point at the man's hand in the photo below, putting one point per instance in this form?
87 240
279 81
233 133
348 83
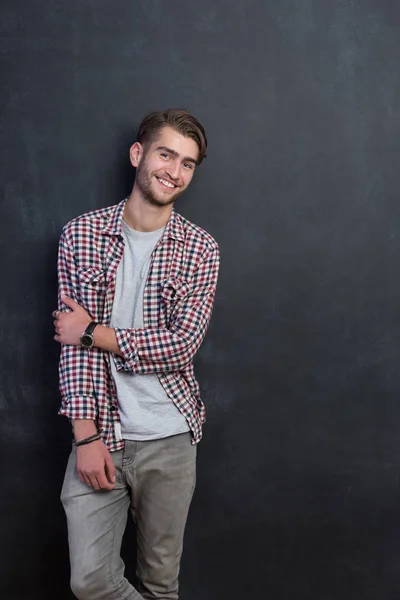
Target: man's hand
69 326
95 466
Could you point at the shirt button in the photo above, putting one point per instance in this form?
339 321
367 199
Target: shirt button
113 408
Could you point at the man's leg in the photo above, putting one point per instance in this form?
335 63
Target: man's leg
96 523
164 476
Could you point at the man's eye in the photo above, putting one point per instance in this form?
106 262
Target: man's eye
188 165
164 155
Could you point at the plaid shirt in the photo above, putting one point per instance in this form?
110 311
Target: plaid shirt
177 306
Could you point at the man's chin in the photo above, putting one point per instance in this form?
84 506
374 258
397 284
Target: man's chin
162 201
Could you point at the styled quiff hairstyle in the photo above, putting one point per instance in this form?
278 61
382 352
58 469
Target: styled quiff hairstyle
180 120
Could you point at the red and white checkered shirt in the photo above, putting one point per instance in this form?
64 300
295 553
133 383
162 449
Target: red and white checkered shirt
177 306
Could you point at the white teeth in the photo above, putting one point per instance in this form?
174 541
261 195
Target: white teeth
167 183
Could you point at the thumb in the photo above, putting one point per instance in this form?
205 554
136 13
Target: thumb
110 468
69 302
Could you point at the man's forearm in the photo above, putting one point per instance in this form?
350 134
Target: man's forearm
105 338
70 325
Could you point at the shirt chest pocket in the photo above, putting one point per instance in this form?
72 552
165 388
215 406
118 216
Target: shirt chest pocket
91 277
174 292
175 289
92 289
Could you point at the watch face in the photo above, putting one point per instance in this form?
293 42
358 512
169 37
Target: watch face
87 340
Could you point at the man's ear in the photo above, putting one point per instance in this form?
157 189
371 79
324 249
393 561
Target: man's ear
136 153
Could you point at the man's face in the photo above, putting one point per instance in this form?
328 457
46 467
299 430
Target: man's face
165 167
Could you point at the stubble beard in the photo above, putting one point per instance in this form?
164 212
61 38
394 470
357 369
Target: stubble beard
143 182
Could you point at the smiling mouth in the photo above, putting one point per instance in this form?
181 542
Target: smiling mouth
166 183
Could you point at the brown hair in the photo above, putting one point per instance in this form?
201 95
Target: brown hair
180 120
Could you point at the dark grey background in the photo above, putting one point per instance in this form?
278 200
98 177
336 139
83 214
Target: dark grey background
298 477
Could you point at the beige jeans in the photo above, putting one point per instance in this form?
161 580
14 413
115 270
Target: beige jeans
155 481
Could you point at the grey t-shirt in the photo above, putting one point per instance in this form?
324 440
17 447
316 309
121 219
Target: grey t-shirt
146 411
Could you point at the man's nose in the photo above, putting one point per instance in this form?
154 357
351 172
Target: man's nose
174 169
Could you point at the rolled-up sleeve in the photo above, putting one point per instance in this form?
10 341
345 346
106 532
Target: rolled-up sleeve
75 382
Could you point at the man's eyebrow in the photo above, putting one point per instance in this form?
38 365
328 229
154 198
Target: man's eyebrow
176 154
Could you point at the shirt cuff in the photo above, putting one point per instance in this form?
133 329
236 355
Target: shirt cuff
128 348
78 407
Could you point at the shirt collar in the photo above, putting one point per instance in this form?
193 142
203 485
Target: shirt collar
114 225
173 229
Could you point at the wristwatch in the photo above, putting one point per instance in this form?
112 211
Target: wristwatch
87 339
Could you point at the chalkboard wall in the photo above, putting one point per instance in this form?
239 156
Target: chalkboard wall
298 472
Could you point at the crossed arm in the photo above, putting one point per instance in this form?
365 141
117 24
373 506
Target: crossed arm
69 327
143 350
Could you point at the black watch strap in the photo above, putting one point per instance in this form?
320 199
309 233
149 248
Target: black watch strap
90 328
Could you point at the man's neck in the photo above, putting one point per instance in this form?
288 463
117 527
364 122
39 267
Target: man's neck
142 216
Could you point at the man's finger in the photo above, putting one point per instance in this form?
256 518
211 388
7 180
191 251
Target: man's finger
69 302
84 479
103 482
107 486
110 469
95 483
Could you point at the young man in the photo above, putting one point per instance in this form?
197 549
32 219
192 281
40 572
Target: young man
136 290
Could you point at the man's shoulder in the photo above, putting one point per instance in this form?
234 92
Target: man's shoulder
92 221
195 234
